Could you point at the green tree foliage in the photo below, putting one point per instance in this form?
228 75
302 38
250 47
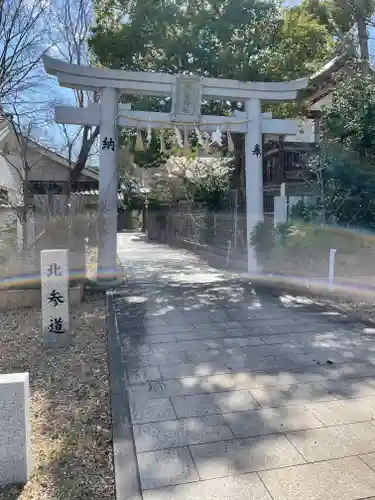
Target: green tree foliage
304 42
350 193
350 121
239 39
249 40
217 38
348 16
347 154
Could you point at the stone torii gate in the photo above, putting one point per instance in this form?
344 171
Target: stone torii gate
187 93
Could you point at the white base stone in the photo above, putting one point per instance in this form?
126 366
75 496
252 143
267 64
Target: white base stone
15 445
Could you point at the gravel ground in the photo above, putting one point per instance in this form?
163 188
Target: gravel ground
71 425
363 309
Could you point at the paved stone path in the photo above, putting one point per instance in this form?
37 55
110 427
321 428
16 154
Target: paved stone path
236 395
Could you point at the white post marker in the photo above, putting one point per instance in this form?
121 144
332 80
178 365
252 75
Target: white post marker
331 268
228 252
235 220
55 294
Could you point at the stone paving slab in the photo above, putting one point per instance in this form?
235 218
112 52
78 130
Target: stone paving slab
213 355
251 330
344 479
219 316
293 328
215 377
204 333
174 329
158 338
244 363
271 421
175 318
205 344
369 459
130 347
314 357
234 381
166 467
354 388
306 338
158 359
137 376
349 371
175 433
244 487
199 317
290 395
253 352
242 341
232 325
159 388
209 404
248 314
334 442
244 455
151 410
193 369
344 412
154 320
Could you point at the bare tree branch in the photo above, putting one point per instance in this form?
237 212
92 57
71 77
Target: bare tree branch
70 37
23 42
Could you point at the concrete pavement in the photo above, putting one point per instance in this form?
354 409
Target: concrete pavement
238 395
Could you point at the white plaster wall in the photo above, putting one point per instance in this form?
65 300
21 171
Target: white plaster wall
42 169
306 132
7 216
45 169
10 167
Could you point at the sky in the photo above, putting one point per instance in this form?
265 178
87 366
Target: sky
55 37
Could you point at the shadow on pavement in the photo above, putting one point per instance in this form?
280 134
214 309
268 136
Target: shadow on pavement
226 369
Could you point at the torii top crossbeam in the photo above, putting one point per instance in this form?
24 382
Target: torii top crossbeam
128 82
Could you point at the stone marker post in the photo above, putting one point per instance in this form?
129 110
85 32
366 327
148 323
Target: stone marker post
55 295
280 210
331 268
15 445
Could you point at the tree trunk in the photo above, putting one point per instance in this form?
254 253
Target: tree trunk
238 178
143 220
24 214
363 39
322 196
83 154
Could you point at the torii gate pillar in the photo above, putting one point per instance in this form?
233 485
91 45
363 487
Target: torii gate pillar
253 176
108 185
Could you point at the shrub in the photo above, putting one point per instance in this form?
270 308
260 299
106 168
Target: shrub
263 239
305 212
